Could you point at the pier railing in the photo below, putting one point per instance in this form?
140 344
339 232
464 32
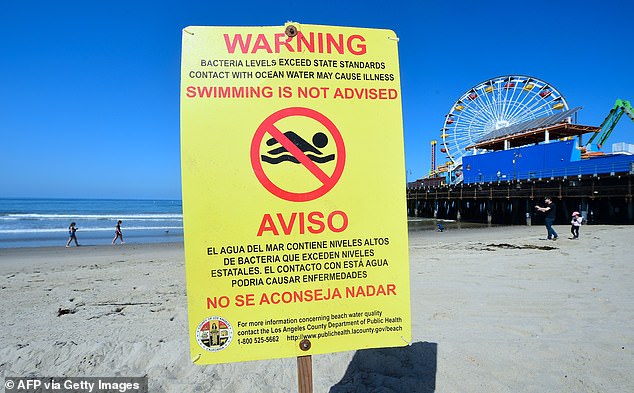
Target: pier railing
584 168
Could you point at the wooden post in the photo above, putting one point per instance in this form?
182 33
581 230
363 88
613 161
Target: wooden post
305 374
305 369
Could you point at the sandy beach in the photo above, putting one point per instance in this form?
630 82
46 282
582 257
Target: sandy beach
494 310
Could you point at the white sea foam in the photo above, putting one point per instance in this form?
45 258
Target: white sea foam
123 217
64 230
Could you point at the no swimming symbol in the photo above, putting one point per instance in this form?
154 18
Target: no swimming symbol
289 148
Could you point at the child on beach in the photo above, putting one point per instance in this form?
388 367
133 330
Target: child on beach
72 236
117 233
576 223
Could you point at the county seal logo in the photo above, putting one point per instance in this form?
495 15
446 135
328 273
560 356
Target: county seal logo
214 334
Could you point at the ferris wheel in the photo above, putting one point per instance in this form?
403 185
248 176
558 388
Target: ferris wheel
493 104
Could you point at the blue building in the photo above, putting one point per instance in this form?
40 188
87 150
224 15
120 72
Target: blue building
548 147
545 160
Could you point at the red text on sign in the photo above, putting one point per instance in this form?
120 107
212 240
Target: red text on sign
229 91
245 300
313 222
313 43
215 302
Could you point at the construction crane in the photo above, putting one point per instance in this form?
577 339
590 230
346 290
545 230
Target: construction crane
620 107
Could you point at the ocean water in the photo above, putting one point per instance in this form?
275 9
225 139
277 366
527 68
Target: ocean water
415 224
44 222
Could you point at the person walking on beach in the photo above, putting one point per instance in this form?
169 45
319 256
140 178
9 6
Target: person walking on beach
551 212
72 235
117 233
576 223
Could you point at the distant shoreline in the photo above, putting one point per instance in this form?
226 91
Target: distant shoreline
415 224
44 222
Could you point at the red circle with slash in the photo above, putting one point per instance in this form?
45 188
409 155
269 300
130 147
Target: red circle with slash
327 181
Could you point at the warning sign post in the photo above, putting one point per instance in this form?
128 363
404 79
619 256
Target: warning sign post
293 191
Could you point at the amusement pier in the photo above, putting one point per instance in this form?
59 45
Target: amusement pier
512 140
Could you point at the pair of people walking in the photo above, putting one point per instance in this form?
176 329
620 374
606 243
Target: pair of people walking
551 213
72 234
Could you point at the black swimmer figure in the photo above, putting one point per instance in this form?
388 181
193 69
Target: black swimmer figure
320 140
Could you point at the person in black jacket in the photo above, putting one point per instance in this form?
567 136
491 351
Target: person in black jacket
551 212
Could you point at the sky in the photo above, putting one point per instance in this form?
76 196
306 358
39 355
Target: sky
89 91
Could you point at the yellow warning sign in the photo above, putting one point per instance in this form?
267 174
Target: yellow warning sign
293 191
